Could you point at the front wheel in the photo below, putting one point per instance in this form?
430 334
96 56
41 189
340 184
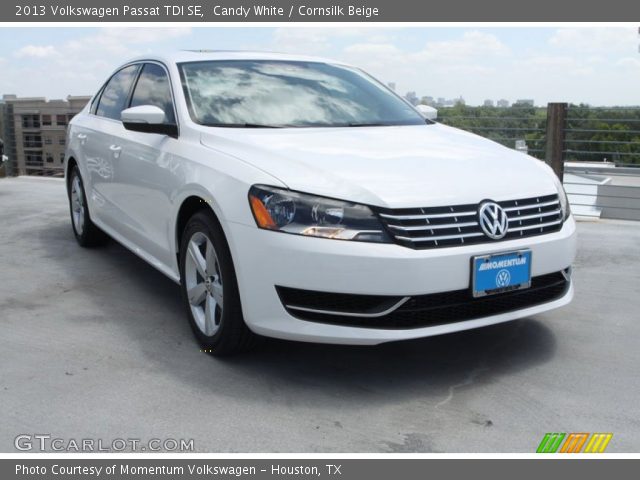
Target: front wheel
210 289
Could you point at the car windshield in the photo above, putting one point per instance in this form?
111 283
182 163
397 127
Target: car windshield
268 93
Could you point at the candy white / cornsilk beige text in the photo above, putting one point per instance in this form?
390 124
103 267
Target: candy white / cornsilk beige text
295 10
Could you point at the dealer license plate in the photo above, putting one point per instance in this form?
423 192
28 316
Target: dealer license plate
501 272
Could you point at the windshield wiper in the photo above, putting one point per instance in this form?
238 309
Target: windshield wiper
372 124
241 125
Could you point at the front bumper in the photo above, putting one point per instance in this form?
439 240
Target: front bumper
264 259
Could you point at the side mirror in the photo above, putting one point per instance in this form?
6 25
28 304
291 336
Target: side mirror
427 112
148 119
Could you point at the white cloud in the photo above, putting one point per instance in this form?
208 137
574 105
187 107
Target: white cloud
555 64
120 41
629 62
293 40
596 40
372 49
438 68
320 40
472 45
139 35
80 65
475 47
36 51
372 56
479 65
595 65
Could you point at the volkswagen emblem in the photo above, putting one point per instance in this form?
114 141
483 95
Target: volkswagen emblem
503 278
493 220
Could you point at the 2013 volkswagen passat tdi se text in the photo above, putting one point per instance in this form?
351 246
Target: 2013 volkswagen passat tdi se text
299 198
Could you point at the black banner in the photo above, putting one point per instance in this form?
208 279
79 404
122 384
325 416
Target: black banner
318 11
405 469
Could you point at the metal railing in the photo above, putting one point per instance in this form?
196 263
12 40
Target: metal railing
595 150
505 125
602 134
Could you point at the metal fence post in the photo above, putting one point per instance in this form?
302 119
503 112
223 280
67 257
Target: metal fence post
556 117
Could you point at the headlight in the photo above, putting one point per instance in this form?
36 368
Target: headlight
564 201
303 214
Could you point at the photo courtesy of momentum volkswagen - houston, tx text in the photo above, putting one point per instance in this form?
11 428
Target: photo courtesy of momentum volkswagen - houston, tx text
300 198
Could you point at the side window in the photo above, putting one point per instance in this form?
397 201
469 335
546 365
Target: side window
153 89
114 97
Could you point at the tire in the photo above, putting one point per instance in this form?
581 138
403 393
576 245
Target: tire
210 289
86 232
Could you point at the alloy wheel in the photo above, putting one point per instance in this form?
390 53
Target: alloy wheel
203 282
77 204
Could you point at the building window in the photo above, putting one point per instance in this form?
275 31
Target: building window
49 158
62 157
33 160
70 117
46 120
48 141
30 121
32 141
61 141
61 119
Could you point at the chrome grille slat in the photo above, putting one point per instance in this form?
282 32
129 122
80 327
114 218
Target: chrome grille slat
533 205
533 227
427 217
451 225
433 227
441 237
535 215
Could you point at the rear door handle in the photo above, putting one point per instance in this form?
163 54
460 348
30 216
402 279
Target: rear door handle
82 136
115 149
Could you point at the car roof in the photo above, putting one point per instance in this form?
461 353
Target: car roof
206 55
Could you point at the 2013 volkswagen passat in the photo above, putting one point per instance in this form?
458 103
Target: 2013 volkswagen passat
300 198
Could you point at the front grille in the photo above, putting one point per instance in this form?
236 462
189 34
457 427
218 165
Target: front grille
418 311
435 227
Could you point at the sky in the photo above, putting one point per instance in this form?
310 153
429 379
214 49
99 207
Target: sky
594 65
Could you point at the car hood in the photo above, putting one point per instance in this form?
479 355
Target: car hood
396 167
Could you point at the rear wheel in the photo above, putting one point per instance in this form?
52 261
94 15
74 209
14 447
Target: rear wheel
209 288
86 232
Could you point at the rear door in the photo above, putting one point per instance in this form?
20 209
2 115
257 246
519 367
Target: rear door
100 140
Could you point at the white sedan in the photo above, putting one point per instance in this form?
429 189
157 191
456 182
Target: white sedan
300 198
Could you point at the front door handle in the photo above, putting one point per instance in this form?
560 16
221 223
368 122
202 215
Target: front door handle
82 136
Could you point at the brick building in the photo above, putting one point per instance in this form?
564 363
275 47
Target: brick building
34 132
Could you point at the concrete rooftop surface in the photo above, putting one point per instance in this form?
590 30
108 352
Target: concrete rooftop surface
95 344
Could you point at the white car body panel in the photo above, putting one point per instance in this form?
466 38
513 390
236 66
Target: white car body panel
396 167
374 269
136 183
